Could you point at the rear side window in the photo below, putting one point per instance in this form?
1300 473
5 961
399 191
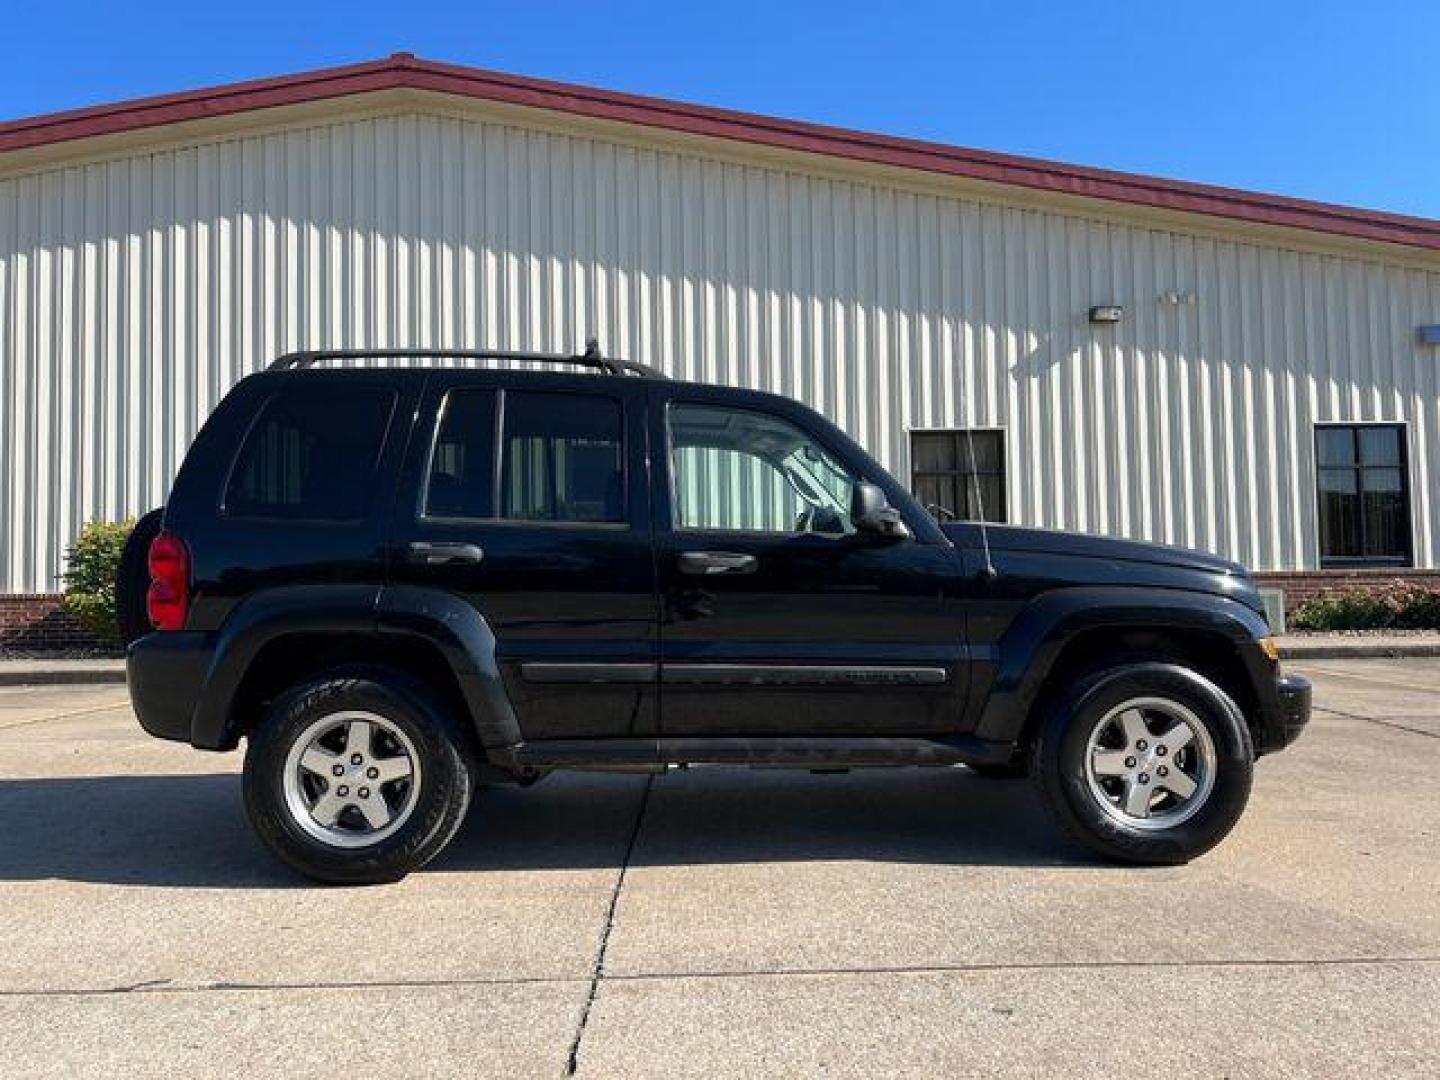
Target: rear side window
311 455
562 458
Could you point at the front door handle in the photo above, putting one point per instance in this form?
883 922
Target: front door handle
709 563
429 553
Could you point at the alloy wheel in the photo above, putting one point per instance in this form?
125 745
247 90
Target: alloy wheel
351 779
1150 763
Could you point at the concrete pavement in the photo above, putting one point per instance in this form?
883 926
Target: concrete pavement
724 922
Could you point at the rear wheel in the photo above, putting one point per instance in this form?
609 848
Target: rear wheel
1149 763
357 778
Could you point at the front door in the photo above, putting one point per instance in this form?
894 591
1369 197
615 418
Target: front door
531 500
778 617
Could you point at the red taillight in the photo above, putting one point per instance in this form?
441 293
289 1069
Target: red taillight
168 601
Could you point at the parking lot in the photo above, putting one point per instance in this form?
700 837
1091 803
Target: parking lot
724 922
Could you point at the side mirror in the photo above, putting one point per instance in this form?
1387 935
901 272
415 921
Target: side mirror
872 514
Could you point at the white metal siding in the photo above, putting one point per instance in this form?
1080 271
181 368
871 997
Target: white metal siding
134 292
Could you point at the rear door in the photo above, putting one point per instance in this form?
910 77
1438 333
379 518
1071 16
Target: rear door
528 496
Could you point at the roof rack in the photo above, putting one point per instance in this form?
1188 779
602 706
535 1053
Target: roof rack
590 358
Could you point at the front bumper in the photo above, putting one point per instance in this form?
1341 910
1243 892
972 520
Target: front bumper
1294 691
166 673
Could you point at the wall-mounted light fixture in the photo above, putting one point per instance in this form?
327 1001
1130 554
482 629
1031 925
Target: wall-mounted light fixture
1106 313
1430 335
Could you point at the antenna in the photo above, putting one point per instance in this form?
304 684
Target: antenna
989 567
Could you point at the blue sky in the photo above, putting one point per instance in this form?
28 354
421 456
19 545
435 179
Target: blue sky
1325 100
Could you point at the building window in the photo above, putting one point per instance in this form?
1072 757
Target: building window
1363 494
959 474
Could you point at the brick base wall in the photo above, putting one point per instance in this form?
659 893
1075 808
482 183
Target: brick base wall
38 623
1302 585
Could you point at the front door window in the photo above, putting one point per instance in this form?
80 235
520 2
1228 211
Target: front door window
737 470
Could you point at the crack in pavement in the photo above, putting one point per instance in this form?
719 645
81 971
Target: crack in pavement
170 987
1376 720
1037 967
65 715
167 987
1386 682
597 971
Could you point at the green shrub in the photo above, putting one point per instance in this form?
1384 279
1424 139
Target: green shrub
1395 606
91 564
1421 611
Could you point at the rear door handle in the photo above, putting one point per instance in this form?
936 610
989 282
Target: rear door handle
709 563
438 554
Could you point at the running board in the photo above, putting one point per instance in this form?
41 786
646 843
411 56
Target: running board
799 752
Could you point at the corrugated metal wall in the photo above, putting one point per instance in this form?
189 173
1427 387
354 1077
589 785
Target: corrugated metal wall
133 292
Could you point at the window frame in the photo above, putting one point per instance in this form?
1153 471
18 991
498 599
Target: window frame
1003 474
1402 428
369 512
672 507
497 465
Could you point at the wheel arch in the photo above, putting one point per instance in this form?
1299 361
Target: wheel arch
278 637
292 657
1064 634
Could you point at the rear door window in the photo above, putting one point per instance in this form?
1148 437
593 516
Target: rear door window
462 464
563 458
311 455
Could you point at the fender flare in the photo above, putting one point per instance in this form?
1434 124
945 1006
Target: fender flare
440 619
465 639
258 620
1026 654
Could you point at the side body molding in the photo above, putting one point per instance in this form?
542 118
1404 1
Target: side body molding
1026 653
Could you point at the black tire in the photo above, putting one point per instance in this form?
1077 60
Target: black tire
132 580
1059 767
444 756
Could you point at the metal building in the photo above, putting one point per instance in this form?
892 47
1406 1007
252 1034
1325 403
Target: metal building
1140 357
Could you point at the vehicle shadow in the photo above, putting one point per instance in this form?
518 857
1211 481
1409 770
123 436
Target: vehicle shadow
190 830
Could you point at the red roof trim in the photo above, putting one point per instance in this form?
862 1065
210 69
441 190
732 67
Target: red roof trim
403 71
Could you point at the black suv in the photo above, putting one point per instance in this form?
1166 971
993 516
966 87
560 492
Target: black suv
399 579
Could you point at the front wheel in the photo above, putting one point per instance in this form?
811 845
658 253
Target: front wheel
1148 763
357 778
